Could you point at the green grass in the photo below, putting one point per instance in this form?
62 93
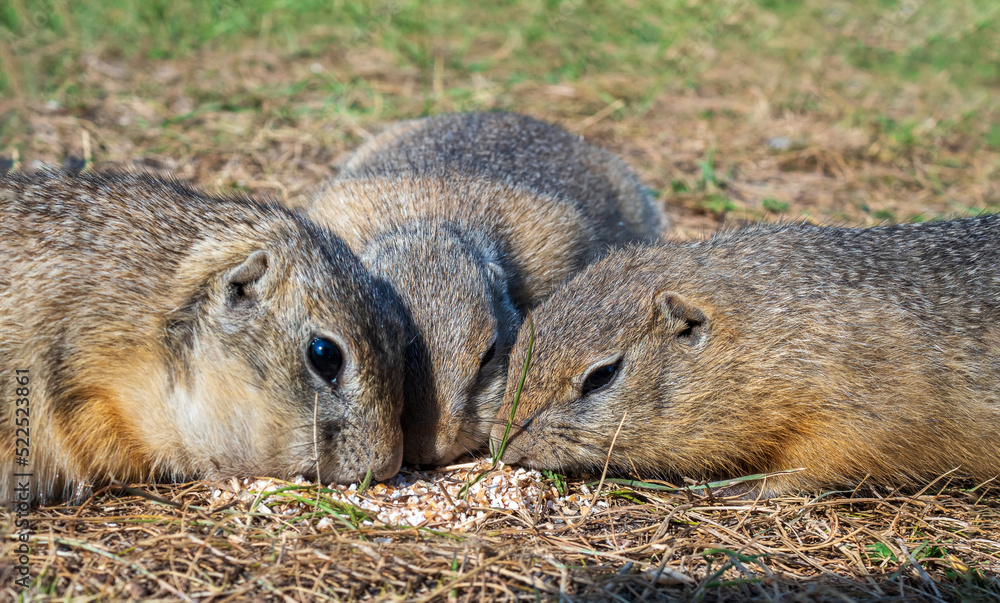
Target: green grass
497 453
715 203
558 481
919 84
774 206
497 450
668 43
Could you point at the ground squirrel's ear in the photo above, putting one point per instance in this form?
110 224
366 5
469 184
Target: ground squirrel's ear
685 321
252 279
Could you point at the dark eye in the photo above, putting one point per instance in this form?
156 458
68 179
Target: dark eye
490 353
326 358
599 377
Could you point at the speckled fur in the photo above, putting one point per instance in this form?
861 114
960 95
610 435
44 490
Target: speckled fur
166 336
857 354
475 218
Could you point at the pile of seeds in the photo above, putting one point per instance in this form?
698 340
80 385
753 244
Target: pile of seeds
458 498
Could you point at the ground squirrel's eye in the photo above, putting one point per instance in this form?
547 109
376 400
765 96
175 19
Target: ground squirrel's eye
326 358
490 353
599 377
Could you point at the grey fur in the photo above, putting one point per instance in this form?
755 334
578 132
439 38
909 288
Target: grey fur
475 218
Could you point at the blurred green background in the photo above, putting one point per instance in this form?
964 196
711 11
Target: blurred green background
548 40
696 95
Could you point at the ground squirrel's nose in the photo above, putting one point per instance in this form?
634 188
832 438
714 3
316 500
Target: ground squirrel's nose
387 469
512 456
424 443
387 462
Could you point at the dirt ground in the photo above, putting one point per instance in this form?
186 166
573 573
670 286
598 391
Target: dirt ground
821 145
713 154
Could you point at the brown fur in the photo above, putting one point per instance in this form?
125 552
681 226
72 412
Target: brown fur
846 352
474 218
166 333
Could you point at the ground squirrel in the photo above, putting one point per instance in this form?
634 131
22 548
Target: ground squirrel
166 333
473 218
852 353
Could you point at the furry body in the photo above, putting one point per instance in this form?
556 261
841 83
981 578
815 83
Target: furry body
473 218
166 335
851 353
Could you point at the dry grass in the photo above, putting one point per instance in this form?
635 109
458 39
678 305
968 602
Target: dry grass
746 144
939 545
813 138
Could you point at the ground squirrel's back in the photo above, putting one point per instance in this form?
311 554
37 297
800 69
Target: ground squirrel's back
519 152
474 218
848 352
168 333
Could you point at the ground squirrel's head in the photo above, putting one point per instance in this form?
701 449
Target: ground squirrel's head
464 323
615 347
291 351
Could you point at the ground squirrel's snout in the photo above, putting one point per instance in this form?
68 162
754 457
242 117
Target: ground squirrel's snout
513 456
387 464
418 441
455 358
348 456
439 441
388 470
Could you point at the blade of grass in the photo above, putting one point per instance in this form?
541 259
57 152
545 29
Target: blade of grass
710 485
498 452
607 461
319 483
365 482
517 393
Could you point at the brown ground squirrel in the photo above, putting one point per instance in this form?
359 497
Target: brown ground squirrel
165 333
847 352
473 218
